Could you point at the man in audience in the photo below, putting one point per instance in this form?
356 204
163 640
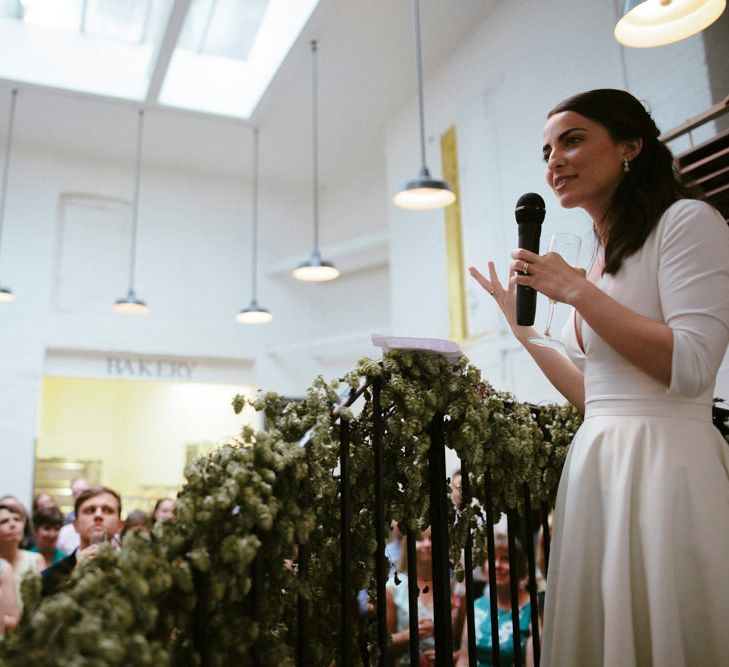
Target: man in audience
47 522
68 537
98 519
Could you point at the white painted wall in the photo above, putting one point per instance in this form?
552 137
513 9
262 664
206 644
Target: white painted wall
193 269
496 90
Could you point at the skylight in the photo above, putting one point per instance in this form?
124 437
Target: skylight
226 52
229 51
103 47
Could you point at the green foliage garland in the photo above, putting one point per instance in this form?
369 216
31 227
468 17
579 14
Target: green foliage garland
220 585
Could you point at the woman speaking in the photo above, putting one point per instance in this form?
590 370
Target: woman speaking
637 571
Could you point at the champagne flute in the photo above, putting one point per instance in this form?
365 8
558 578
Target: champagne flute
568 247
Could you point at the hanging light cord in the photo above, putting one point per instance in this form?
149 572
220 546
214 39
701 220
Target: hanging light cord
6 166
315 134
254 252
419 74
135 203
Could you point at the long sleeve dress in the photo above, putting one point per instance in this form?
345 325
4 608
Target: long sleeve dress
638 569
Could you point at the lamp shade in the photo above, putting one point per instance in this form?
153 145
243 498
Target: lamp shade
254 314
424 193
6 294
131 304
316 270
647 23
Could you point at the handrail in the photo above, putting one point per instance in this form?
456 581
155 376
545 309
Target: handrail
692 123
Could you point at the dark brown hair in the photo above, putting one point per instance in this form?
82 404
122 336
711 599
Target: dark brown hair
135 519
651 185
92 492
47 516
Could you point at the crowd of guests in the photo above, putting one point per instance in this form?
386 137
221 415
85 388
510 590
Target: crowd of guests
397 601
48 545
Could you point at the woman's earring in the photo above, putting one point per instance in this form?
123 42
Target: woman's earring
626 165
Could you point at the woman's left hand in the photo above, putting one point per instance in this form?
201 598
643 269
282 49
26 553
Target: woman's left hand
548 274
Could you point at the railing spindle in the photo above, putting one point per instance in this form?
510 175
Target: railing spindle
380 573
514 586
545 536
468 567
439 550
345 629
413 599
490 543
302 636
532 565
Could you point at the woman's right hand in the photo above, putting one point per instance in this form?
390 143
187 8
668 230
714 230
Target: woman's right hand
505 298
425 628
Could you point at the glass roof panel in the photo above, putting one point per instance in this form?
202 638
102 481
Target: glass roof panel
226 54
223 28
127 21
103 47
229 51
63 14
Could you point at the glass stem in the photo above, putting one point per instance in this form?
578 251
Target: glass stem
550 314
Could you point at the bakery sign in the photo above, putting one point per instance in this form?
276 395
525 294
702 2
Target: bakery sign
149 368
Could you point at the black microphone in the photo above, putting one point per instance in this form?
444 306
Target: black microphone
529 214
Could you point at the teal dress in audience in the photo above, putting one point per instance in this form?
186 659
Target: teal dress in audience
482 618
57 554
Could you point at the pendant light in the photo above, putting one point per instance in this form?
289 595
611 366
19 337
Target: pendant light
424 192
6 294
315 269
646 23
131 304
254 314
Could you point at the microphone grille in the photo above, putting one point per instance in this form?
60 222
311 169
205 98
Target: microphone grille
530 208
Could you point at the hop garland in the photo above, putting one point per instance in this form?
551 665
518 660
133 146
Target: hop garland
221 584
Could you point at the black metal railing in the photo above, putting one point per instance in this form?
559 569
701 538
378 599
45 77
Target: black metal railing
523 527
437 482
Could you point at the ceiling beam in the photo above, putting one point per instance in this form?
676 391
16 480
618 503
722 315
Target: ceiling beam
166 48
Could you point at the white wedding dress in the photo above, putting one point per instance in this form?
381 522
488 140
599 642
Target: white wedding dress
639 568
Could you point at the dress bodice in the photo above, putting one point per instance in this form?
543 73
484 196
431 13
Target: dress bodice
668 280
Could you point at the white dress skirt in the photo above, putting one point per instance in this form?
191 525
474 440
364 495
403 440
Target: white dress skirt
639 567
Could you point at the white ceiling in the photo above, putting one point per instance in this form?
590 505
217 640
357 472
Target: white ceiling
366 73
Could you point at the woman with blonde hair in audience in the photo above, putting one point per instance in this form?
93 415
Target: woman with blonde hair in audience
482 612
12 525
